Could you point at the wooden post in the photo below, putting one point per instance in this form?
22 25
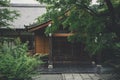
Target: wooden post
50 62
72 49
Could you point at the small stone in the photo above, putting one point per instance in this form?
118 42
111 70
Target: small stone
50 66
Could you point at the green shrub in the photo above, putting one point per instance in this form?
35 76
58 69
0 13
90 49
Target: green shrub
15 63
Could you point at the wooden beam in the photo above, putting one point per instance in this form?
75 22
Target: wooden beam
62 34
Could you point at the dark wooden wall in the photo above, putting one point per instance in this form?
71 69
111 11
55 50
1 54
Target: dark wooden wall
67 52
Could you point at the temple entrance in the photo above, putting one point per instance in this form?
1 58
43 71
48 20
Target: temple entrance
65 52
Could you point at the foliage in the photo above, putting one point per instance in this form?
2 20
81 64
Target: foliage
15 63
6 15
95 25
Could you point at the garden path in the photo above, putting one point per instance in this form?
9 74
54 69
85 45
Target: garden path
71 76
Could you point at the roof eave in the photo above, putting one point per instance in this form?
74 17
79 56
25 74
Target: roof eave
39 26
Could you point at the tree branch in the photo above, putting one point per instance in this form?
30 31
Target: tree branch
111 10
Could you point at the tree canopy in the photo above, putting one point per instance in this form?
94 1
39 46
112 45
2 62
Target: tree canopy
6 15
95 25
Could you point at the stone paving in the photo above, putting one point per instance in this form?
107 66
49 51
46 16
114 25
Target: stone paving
71 76
73 73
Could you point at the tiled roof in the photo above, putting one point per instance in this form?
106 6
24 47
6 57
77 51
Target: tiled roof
28 14
26 5
37 26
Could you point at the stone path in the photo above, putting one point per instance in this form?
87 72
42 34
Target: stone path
70 76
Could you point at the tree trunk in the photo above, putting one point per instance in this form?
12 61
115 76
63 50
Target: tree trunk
112 25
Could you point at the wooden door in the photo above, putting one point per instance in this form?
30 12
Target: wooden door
67 52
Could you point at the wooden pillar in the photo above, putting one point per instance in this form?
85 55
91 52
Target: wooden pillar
72 49
50 62
99 57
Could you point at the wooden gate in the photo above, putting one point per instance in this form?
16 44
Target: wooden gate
67 52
